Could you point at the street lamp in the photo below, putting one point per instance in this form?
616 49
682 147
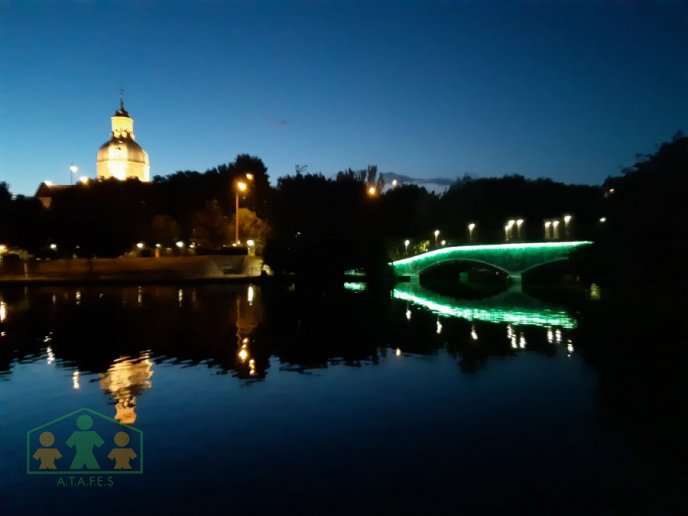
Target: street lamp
73 169
437 233
548 230
372 191
519 223
406 244
507 229
603 219
242 187
567 219
471 227
555 229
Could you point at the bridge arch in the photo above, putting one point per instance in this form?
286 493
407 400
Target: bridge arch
513 259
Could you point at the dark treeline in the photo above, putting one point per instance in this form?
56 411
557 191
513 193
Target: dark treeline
319 227
108 218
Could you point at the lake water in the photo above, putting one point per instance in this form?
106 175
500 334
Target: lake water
253 400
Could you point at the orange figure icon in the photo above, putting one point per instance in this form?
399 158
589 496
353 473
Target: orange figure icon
47 455
122 455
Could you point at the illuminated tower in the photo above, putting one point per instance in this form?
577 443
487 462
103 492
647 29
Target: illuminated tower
121 157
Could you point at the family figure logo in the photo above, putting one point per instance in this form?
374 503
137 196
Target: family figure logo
84 442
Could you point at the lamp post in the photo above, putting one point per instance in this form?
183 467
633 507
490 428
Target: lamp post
507 229
519 223
406 244
548 226
555 229
239 187
437 233
471 227
73 170
567 219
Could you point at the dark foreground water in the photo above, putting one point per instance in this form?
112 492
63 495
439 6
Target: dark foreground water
252 401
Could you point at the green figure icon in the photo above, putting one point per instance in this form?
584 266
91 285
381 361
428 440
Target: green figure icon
84 440
46 454
122 455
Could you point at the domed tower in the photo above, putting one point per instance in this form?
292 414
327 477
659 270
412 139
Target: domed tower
121 157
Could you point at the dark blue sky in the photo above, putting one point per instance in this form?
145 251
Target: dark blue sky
569 90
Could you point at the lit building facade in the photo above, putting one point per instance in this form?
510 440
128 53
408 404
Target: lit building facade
121 157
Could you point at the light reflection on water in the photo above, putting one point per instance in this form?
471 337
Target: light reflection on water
256 382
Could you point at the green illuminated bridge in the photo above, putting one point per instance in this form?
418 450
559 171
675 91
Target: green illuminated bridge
513 259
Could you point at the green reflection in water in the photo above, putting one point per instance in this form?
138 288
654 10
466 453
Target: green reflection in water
355 286
508 307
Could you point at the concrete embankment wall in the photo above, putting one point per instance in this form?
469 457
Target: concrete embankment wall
178 268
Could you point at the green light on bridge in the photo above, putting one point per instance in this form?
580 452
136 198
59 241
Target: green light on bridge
534 247
472 311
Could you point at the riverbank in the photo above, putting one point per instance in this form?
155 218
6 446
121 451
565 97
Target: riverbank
123 270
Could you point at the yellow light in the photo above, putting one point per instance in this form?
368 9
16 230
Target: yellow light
3 248
603 219
555 223
548 223
75 380
250 294
398 352
437 232
443 242
511 223
243 354
567 219
372 191
519 222
241 186
394 183
250 243
180 244
83 180
3 311
407 242
249 176
471 226
53 246
140 245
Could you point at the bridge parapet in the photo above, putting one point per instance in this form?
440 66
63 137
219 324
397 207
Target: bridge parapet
513 259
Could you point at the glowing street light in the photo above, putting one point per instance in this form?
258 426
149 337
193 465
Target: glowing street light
406 244
437 233
443 242
519 223
548 229
555 229
242 187
180 244
471 227
507 229
567 219
394 183
603 219
140 245
74 170
372 191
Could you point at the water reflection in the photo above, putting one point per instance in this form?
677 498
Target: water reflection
125 380
510 307
117 332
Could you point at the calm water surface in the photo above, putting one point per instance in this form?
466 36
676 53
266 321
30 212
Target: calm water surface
254 401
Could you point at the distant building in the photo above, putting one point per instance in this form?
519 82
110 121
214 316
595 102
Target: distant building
46 191
121 157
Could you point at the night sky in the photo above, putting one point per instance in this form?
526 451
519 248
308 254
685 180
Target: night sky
568 90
